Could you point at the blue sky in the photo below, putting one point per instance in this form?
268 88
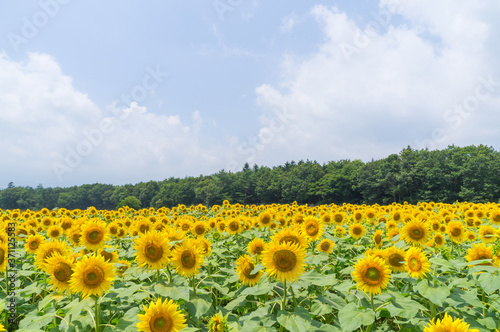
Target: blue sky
123 91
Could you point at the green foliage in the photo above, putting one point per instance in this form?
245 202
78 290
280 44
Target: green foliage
130 201
455 173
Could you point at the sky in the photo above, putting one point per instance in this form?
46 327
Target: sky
122 91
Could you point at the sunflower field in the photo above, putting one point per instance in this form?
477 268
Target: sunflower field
400 267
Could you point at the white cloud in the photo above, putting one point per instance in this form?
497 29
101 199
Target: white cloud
372 90
55 135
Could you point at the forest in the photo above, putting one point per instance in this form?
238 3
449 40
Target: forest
470 173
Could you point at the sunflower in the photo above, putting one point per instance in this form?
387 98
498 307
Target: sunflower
92 276
326 245
380 253
234 226
60 271
378 239
218 323
122 266
284 261
487 233
46 250
417 263
372 275
161 316
244 267
187 258
33 242
205 245
54 231
256 246
479 251
74 236
438 240
3 256
395 259
152 250
357 230
456 231
109 253
265 219
312 228
199 228
2 328
113 228
291 234
339 231
338 218
94 234
495 217
415 232
448 324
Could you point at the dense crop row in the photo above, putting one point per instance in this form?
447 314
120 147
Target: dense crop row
424 267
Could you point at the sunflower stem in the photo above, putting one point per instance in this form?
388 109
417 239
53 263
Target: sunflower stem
283 303
97 316
371 301
194 286
169 274
157 276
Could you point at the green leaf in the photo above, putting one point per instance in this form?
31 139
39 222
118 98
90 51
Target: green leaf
75 307
262 288
403 307
489 282
198 307
235 303
172 292
257 318
352 317
434 294
446 265
297 321
312 277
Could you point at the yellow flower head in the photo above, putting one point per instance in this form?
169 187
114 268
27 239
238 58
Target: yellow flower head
187 258
417 263
448 324
284 261
152 250
244 267
372 275
161 316
92 276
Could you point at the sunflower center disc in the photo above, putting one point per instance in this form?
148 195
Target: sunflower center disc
95 237
199 230
378 238
233 226
55 234
312 230
356 230
33 244
373 274
2 256
396 260
160 322
93 277
248 271
63 272
153 252
456 232
414 264
417 233
284 260
188 259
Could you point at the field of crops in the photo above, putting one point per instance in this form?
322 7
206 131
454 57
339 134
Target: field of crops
424 267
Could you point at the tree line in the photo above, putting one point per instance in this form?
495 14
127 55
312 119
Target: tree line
469 173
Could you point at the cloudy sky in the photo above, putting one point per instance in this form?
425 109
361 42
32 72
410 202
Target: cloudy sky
122 91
